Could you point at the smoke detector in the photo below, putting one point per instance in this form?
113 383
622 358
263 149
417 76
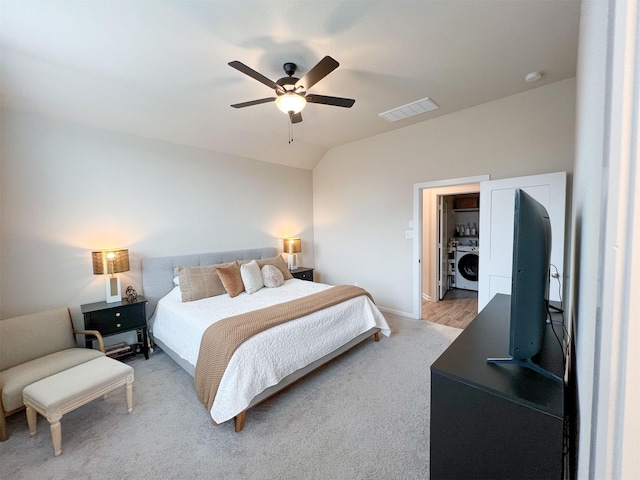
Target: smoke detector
533 77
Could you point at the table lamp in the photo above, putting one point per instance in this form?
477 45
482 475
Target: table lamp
110 262
291 247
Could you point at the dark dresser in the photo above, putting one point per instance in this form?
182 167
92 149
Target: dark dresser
496 421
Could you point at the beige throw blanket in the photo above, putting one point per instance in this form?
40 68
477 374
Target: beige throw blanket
221 339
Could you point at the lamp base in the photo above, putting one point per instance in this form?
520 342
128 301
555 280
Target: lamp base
292 261
114 294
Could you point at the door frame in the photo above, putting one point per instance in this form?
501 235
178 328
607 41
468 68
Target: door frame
418 189
442 271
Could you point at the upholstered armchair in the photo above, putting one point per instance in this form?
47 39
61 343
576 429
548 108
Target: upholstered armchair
33 347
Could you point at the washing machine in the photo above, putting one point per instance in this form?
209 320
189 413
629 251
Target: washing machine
467 267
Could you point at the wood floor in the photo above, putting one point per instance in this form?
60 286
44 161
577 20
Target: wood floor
456 309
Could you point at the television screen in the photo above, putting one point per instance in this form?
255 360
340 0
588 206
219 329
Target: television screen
529 276
529 283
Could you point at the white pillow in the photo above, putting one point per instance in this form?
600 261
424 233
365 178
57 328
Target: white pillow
272 276
251 276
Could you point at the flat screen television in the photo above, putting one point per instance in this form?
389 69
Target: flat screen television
529 283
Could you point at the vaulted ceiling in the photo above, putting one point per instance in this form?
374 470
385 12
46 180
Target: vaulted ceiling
159 69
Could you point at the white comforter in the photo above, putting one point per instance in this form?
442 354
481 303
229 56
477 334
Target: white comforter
265 359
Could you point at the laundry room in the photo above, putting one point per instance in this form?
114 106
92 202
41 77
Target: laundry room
450 249
463 230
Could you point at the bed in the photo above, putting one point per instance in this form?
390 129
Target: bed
269 361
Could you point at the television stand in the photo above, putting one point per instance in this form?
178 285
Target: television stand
527 363
489 422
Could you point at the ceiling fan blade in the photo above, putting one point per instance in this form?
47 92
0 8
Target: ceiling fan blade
295 117
323 68
335 101
253 102
255 75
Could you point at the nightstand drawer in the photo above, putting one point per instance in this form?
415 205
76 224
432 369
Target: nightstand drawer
303 273
115 319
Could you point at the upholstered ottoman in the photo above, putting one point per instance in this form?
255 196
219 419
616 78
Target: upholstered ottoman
63 392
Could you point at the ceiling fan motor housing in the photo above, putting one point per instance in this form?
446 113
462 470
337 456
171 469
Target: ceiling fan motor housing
290 68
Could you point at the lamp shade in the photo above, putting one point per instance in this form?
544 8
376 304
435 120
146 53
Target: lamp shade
291 102
291 245
107 262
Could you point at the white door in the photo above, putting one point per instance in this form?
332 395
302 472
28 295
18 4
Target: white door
496 230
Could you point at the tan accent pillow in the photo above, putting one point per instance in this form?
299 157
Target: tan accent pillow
231 278
279 263
272 276
199 282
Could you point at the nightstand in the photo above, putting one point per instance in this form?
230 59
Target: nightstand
303 273
118 317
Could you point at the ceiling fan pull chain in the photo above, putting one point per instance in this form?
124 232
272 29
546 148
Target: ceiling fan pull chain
290 127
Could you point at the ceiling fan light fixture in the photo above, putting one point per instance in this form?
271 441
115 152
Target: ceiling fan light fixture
291 102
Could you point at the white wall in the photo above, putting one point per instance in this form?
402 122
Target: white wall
362 192
606 240
588 195
68 189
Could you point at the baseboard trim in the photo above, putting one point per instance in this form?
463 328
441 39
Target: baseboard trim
397 312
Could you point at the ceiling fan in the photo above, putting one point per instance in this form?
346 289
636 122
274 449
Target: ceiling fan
291 92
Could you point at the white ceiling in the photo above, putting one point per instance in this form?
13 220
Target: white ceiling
159 69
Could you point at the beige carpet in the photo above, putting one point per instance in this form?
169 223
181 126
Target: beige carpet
363 416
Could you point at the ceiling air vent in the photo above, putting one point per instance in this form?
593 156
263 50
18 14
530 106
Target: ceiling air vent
409 110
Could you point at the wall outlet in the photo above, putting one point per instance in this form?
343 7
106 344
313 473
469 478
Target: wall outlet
408 234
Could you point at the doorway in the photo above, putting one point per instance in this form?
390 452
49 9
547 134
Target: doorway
451 253
431 247
496 234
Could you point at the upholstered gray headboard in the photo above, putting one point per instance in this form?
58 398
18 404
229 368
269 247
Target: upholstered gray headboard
158 273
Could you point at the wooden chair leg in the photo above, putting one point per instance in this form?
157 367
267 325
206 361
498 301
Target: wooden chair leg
54 418
56 437
32 421
239 421
4 434
129 391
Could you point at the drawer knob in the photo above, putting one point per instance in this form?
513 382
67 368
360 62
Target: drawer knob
118 325
117 314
